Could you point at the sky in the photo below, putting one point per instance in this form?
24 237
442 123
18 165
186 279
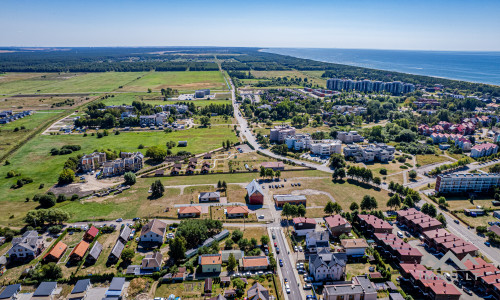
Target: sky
372 24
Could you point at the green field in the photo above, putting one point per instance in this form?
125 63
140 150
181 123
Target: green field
70 83
9 138
181 81
34 159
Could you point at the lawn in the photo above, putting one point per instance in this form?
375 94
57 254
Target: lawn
155 99
34 160
478 221
108 241
181 81
313 77
460 203
70 83
40 103
428 159
10 138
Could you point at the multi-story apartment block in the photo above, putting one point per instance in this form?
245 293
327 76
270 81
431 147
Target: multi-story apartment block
153 120
279 133
91 162
299 142
360 288
128 162
326 147
372 152
464 183
349 137
366 85
485 149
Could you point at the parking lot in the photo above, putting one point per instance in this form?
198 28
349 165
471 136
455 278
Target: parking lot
316 158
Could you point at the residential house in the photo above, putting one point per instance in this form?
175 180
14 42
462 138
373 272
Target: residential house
152 263
92 162
302 226
189 212
116 288
153 232
10 292
360 288
428 284
125 234
209 197
238 211
27 247
417 221
79 251
258 292
210 263
337 225
116 252
80 289
56 252
372 224
327 266
317 239
395 248
46 291
354 247
90 235
255 193
254 263
94 253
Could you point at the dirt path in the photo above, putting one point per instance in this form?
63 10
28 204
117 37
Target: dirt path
313 192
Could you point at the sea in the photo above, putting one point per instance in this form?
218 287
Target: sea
483 67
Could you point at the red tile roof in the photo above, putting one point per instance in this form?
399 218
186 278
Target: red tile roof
335 221
93 231
304 220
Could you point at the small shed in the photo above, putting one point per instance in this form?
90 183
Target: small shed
208 286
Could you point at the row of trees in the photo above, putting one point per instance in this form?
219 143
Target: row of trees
269 173
290 210
41 217
459 163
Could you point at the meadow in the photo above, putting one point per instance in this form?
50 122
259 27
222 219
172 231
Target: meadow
154 99
34 160
69 83
188 81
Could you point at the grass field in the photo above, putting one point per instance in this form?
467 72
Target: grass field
478 221
70 83
428 159
312 76
181 81
10 138
34 160
39 103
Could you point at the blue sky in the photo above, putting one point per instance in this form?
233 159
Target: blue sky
382 24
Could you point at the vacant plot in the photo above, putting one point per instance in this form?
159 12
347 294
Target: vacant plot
34 160
459 203
478 221
41 103
181 81
70 83
107 241
428 159
313 77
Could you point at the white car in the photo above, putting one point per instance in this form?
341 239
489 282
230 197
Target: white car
300 249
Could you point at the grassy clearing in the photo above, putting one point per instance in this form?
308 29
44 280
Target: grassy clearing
428 159
478 221
70 83
10 138
107 241
39 103
182 81
34 160
459 203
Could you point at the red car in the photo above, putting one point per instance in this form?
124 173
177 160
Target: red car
275 244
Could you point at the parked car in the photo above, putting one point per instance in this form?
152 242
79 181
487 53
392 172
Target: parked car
469 292
487 244
456 221
300 249
119 220
278 250
281 263
307 286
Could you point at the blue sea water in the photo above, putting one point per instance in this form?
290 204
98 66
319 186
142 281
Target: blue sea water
481 67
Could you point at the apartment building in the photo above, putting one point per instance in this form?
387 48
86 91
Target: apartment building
380 152
466 183
279 133
428 284
360 288
91 162
372 224
298 142
326 147
128 162
349 137
366 85
485 149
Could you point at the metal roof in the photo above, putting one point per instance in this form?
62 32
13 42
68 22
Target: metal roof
81 286
45 289
117 284
10 291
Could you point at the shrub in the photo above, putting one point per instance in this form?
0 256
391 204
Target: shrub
67 176
130 178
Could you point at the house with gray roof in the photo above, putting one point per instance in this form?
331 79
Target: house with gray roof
255 193
94 253
117 251
317 239
10 292
359 288
258 292
125 234
238 254
27 247
209 196
80 289
327 266
154 232
46 290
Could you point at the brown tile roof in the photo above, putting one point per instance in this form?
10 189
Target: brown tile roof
335 221
211 259
254 261
354 243
190 210
155 226
58 250
239 209
304 220
80 249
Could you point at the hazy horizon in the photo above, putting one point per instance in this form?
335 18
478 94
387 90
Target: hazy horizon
362 24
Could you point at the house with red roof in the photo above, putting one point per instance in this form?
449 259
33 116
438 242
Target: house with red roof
397 249
428 284
302 226
417 221
485 149
91 234
337 225
372 224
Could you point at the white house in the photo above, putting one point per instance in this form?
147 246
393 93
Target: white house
354 247
327 266
303 226
153 232
209 196
27 247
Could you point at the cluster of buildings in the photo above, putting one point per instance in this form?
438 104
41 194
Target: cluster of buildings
347 110
191 167
466 183
467 127
422 102
350 137
128 162
427 283
395 88
380 152
8 116
279 133
483 275
485 149
319 147
395 248
320 92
